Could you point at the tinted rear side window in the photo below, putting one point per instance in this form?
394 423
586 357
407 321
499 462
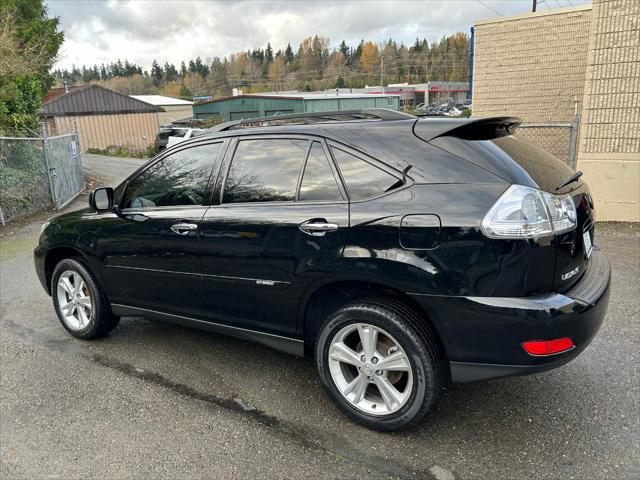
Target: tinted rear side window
265 170
318 182
362 179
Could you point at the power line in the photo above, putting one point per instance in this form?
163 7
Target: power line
492 9
546 4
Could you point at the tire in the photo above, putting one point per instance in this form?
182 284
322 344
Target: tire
80 283
417 386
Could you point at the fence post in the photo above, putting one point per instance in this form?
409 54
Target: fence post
573 141
45 147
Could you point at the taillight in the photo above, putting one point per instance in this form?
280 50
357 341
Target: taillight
525 212
548 347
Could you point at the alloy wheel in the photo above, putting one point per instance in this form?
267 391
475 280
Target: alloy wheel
74 300
370 368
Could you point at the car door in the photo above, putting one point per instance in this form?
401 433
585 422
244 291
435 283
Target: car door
280 224
149 246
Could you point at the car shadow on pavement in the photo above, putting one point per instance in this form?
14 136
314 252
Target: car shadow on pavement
286 388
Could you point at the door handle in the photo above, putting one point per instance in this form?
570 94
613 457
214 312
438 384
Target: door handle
183 228
317 228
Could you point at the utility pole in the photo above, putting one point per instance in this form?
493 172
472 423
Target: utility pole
381 74
534 5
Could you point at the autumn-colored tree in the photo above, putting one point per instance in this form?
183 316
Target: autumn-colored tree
314 66
134 85
171 89
276 70
195 83
369 58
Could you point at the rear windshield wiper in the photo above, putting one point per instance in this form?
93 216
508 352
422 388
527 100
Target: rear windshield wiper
569 180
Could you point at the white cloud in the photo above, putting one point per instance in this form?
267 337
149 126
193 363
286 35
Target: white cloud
143 30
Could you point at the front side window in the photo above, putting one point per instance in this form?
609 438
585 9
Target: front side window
318 181
178 179
265 170
362 179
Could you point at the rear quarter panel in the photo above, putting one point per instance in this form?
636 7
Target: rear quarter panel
464 262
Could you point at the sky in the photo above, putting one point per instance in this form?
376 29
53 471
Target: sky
103 31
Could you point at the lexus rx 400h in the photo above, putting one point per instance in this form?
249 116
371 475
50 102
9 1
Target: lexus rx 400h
400 253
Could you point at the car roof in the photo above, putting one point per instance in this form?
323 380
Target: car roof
402 144
426 128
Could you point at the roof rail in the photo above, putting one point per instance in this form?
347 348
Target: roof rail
314 117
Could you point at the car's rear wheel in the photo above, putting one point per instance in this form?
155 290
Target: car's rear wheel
380 365
80 304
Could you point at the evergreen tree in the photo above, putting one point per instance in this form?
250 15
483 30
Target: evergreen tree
268 54
156 73
170 72
345 50
288 54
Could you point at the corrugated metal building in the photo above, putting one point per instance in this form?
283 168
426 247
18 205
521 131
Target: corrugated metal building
174 108
252 106
429 93
101 117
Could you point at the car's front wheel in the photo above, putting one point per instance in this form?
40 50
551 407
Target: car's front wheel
81 305
379 364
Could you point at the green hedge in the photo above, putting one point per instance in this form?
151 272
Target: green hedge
24 182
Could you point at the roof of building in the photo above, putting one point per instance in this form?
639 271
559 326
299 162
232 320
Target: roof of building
91 100
294 96
57 92
539 13
161 100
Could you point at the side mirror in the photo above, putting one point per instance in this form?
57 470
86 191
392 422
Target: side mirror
101 199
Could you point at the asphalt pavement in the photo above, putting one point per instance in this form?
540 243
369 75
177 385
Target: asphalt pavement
153 400
111 171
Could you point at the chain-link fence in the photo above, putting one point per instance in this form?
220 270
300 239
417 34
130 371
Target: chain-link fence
38 173
65 168
558 139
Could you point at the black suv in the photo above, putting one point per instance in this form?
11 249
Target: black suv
402 254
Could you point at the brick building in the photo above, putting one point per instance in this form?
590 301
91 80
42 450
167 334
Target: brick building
546 66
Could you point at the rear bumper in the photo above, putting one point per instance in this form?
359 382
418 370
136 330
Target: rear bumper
483 336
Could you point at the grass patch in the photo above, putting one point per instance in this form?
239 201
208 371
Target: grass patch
125 151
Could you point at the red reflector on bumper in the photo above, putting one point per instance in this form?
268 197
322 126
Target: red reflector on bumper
548 347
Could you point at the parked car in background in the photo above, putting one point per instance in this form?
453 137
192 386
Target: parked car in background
401 253
168 137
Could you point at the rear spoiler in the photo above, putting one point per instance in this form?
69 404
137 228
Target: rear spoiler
467 129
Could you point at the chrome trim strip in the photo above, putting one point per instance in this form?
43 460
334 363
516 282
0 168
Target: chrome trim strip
154 270
257 281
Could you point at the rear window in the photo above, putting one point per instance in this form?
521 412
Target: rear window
532 163
165 134
265 170
318 181
363 180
